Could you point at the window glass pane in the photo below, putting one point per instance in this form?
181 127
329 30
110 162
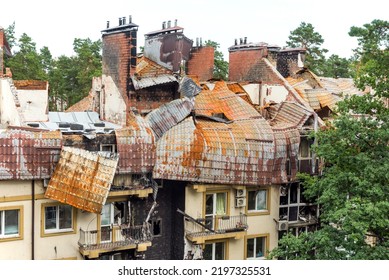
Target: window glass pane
293 193
11 223
250 248
261 200
304 148
65 217
207 253
260 247
251 200
293 213
106 215
209 204
221 203
219 251
50 217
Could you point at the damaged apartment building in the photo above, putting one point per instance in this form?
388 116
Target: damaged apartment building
159 161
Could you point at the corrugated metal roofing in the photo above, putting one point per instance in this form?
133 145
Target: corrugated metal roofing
136 147
28 153
152 81
168 115
82 179
245 150
291 114
325 97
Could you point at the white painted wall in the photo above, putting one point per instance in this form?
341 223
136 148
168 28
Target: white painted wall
113 108
34 105
272 93
8 111
253 91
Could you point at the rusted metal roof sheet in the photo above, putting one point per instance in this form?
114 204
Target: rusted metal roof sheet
82 178
168 115
291 114
343 86
189 87
245 150
222 100
324 97
136 147
27 154
152 81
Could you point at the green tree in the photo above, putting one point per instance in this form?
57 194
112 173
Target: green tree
220 70
26 62
353 190
10 35
306 37
337 67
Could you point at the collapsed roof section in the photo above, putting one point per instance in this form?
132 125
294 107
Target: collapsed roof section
28 154
82 178
228 142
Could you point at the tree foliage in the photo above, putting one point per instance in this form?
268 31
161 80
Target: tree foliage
69 78
353 190
306 37
220 70
337 67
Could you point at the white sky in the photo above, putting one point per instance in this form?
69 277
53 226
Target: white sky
55 24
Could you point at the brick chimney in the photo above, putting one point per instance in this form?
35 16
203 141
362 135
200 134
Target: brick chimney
201 62
244 60
119 53
168 47
290 61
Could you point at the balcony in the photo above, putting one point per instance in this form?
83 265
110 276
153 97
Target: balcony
116 238
216 227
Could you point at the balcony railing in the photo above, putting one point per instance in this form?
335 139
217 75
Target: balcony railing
216 225
114 237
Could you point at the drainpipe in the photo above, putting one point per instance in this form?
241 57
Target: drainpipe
32 219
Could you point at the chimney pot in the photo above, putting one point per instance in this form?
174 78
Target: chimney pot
197 42
201 41
240 41
175 23
107 23
245 40
120 21
124 20
236 42
164 25
130 19
169 23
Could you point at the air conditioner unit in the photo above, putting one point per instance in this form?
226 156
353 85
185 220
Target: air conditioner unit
282 225
241 193
240 202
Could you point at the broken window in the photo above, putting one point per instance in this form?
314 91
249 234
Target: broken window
305 148
256 247
110 148
156 227
113 214
214 251
58 218
258 200
9 223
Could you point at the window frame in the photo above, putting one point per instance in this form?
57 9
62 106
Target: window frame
53 232
225 243
267 244
19 235
253 212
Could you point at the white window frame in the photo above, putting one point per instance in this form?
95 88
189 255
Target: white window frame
57 229
2 224
264 243
267 201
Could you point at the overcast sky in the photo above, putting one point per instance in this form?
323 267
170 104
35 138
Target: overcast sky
55 24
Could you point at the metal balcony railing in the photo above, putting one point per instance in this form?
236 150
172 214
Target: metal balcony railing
114 237
216 225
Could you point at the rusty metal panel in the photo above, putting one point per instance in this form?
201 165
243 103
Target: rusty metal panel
136 147
82 178
152 81
28 153
168 115
291 114
325 97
